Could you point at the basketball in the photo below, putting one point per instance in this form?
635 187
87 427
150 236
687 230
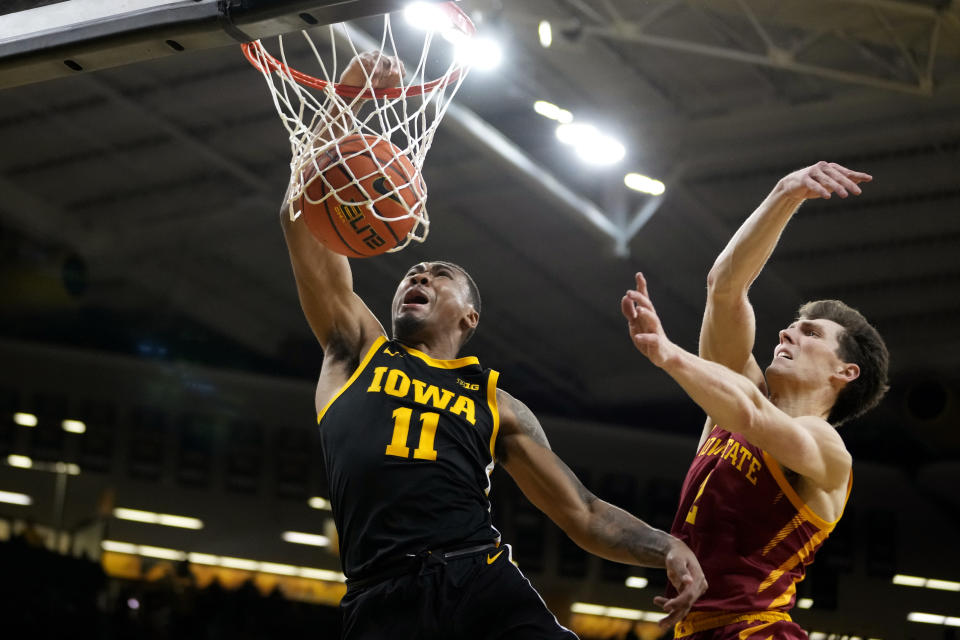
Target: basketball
358 176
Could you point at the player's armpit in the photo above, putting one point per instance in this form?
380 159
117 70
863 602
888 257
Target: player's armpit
325 288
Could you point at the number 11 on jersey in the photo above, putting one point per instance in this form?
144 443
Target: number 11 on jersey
401 429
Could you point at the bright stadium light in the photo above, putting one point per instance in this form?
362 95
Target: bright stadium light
23 462
636 582
165 519
644 184
933 618
74 426
426 16
11 497
929 583
298 537
804 603
545 31
592 145
25 419
317 502
242 564
616 612
552 111
480 52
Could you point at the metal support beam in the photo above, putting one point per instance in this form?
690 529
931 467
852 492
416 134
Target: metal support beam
778 58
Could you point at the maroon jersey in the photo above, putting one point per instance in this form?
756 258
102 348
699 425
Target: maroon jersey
749 529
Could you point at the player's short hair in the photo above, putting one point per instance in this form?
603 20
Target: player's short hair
860 344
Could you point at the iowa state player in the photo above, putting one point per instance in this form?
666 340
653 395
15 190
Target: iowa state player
410 434
771 475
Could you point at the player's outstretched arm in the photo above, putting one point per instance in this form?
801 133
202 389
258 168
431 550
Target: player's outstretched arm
808 445
597 526
342 323
727 334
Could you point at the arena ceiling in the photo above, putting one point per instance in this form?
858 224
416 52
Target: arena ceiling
139 204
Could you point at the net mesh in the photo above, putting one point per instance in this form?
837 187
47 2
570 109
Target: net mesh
318 113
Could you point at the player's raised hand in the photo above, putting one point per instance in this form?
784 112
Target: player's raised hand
383 70
644 325
687 578
822 180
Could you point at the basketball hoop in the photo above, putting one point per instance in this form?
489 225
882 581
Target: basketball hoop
317 112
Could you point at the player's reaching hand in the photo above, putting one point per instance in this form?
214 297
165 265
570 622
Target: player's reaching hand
687 578
823 179
384 71
644 325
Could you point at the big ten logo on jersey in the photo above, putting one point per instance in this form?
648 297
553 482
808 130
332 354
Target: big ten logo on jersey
395 382
353 215
466 385
737 454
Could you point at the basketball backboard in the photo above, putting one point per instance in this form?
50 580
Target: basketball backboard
45 39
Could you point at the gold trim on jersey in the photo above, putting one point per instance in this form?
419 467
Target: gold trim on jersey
356 374
795 498
702 620
795 559
494 409
441 364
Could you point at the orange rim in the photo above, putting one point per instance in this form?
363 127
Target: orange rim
257 54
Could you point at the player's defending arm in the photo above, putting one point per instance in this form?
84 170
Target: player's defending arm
597 526
339 319
728 329
807 445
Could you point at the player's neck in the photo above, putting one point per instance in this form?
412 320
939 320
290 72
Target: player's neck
440 348
795 401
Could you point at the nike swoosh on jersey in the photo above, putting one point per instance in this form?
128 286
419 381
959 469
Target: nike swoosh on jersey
494 558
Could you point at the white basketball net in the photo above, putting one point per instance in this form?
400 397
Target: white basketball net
317 113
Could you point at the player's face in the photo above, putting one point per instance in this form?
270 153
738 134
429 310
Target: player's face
807 351
432 295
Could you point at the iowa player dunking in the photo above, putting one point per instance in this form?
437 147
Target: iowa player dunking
771 474
410 434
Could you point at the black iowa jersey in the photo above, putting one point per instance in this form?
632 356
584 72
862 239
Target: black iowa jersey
408 445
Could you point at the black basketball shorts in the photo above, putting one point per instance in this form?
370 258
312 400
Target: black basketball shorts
481 596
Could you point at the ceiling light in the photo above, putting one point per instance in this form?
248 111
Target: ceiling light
804 603
19 461
74 426
592 145
203 558
239 563
636 582
321 574
15 498
164 519
306 538
25 419
480 53
644 184
545 31
602 150
552 111
319 503
426 16
242 564
929 583
617 612
933 618
279 569
161 552
63 467
181 522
